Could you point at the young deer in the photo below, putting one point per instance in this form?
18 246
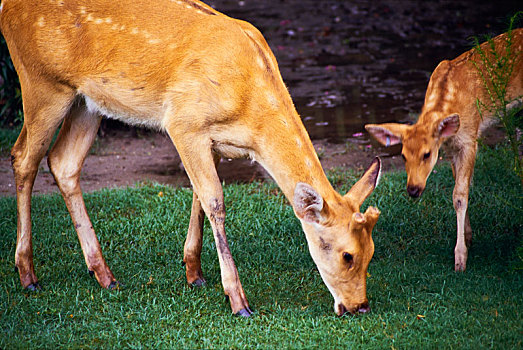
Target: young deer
212 83
450 116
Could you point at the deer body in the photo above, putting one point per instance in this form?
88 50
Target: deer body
450 118
212 83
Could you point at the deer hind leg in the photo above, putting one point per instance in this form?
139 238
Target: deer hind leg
193 243
197 157
65 162
45 106
464 168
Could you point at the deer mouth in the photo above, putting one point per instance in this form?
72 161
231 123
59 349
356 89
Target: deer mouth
414 191
362 308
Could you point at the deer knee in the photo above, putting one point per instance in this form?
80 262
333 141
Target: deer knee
460 204
23 169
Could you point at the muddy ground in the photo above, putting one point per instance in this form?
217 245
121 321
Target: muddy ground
346 63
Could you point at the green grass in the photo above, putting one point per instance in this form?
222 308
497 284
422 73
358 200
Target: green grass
417 300
7 139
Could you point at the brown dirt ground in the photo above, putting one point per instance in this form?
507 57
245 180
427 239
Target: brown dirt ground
124 157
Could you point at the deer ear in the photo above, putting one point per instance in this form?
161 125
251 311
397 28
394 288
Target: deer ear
364 187
448 126
308 204
388 134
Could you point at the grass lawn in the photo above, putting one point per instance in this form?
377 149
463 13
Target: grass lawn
417 300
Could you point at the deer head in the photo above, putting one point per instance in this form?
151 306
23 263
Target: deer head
421 143
340 238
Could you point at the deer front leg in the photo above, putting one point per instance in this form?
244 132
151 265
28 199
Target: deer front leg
468 228
230 278
464 168
199 162
65 162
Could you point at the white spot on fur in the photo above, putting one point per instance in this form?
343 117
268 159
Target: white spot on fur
430 102
272 100
308 162
260 63
451 92
298 142
259 83
41 21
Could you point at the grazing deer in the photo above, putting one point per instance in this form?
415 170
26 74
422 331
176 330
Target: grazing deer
450 117
212 83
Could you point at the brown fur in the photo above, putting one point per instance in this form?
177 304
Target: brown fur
450 117
212 83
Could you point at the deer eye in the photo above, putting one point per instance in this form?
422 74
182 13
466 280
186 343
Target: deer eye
426 156
348 258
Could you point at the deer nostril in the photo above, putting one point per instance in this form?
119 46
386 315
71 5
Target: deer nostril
414 191
364 308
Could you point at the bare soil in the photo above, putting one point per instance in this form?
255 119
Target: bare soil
124 157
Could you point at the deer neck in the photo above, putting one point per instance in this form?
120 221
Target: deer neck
288 155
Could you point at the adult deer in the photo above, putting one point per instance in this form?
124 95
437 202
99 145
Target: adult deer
212 83
450 117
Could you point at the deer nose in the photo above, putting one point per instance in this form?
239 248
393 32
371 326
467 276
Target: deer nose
364 308
414 191
360 309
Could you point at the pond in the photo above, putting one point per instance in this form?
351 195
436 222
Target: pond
349 63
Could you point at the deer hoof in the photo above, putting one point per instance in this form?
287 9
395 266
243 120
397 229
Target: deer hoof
460 259
460 268
34 287
244 312
200 282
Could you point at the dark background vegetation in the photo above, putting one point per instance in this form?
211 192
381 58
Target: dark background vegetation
345 52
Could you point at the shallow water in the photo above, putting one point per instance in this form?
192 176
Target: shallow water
349 63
